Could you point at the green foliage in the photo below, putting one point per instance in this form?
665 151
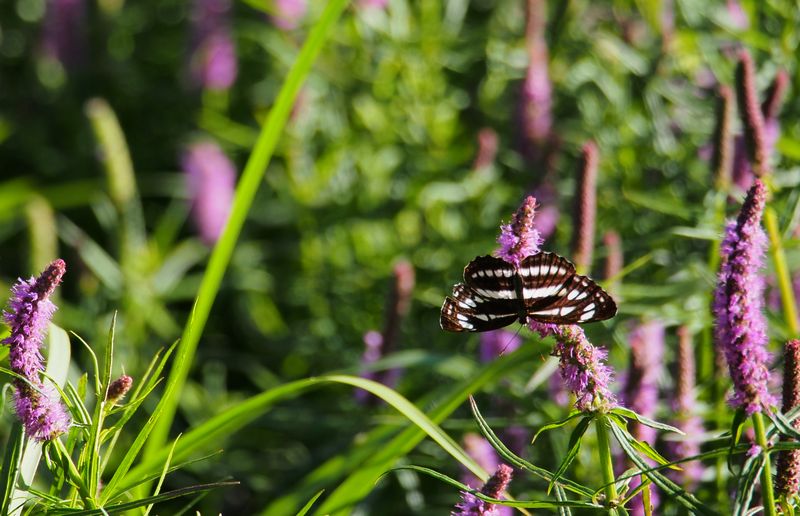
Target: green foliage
356 136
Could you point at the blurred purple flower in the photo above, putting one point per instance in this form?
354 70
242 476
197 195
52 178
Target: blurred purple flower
479 450
787 481
737 15
64 31
212 60
686 418
520 238
582 366
471 505
738 302
640 392
38 405
498 342
373 4
537 92
373 351
289 13
547 212
211 179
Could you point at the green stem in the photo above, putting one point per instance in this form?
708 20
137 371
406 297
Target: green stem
606 462
782 271
766 473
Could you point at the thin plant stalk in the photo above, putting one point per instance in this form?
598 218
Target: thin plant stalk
767 495
251 179
782 271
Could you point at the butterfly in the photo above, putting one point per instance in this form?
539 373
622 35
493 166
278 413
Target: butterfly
544 288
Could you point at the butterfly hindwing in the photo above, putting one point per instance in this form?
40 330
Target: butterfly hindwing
555 293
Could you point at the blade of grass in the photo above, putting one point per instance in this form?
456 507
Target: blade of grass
245 193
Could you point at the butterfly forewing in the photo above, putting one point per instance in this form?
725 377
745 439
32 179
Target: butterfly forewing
544 288
468 311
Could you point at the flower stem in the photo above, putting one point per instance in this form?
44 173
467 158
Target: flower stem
606 462
766 473
782 271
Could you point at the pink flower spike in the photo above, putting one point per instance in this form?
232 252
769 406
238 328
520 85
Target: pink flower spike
519 239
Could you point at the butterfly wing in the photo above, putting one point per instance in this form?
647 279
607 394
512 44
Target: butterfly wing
554 293
465 310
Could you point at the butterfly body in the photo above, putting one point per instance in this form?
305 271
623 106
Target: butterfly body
544 287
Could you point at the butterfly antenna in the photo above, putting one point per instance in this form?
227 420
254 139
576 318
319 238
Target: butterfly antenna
509 340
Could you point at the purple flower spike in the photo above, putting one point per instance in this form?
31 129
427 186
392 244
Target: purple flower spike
723 157
494 487
752 117
585 208
582 366
537 92
211 180
38 404
519 239
738 302
787 481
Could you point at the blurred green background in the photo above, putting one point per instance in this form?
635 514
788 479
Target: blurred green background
376 165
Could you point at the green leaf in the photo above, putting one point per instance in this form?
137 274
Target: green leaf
307 507
737 426
746 485
363 470
122 507
670 488
627 413
783 425
519 462
8 475
557 424
525 504
573 448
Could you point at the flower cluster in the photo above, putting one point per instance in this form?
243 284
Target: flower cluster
38 404
738 301
519 239
582 366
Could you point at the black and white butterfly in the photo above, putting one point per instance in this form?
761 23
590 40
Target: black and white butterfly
544 288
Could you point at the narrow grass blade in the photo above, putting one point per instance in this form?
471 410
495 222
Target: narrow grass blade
8 475
252 177
121 508
307 507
